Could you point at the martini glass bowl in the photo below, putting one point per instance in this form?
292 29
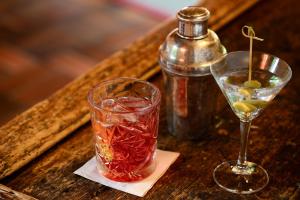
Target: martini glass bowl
247 97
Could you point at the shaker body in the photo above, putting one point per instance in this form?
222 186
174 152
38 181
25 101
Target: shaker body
185 59
190 104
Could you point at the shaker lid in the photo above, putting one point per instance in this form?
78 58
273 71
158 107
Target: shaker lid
192 22
193 13
190 49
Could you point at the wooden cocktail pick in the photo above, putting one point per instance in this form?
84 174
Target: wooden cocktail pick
248 32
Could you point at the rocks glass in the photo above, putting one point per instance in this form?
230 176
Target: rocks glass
125 118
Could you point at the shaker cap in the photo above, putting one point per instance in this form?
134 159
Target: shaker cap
192 22
190 49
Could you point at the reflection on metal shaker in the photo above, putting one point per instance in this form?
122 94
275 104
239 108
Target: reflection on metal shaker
180 96
185 59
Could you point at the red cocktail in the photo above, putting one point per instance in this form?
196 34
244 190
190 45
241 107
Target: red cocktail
125 116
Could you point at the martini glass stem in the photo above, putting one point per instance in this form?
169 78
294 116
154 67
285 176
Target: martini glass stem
245 128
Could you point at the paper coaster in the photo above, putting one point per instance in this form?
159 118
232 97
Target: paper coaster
163 158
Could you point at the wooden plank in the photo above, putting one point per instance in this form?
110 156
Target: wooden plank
274 142
9 194
42 126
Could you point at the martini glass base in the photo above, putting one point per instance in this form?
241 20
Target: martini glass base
232 179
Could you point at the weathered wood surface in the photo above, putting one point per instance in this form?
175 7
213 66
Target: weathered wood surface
274 139
9 194
33 132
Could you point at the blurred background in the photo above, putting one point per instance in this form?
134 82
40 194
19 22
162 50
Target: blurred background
45 44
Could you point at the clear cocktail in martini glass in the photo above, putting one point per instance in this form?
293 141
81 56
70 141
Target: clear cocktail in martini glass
247 95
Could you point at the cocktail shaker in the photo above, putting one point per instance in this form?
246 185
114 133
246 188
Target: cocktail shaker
185 59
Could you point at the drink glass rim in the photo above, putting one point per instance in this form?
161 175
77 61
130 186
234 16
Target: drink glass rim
108 82
284 81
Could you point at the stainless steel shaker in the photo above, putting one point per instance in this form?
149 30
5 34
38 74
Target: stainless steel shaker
185 59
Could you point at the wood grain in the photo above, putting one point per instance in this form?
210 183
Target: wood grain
42 126
9 194
274 139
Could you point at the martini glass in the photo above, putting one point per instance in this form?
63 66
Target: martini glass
247 100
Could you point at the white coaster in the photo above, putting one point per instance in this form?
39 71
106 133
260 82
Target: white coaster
163 158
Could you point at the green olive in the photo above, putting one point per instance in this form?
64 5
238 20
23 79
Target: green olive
228 80
247 92
256 103
271 85
252 84
244 107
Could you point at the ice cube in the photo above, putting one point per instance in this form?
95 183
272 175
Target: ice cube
119 108
134 103
130 117
130 129
112 119
108 124
107 104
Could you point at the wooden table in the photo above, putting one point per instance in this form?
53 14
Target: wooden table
42 166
